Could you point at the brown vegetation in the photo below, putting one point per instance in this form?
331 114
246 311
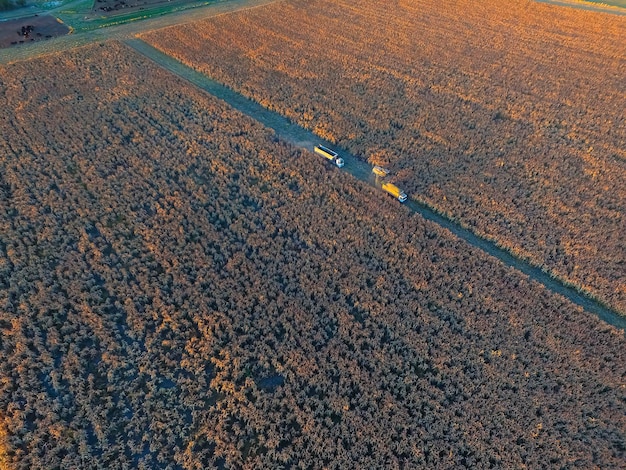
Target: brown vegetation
508 116
179 290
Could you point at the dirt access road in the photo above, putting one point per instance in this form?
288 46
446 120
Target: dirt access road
287 131
299 137
125 31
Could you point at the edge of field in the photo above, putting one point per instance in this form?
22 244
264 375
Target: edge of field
361 170
616 7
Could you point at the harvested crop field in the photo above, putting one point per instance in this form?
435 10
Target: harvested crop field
178 289
508 116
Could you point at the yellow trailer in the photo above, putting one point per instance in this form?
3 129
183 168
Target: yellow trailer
395 191
329 155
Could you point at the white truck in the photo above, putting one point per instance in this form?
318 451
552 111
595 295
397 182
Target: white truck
330 155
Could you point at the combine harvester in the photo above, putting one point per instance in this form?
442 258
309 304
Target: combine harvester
377 170
380 171
329 155
388 187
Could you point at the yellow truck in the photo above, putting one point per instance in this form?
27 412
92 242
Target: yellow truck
329 155
380 171
394 191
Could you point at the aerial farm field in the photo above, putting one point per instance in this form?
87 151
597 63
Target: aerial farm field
507 116
178 289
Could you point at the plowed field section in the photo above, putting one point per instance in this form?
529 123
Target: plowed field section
508 116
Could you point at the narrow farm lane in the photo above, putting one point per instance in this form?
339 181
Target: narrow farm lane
302 138
124 31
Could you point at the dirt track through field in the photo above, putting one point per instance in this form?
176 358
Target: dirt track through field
124 31
286 130
299 137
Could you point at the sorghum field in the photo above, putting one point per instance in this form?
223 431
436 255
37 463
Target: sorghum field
506 115
178 289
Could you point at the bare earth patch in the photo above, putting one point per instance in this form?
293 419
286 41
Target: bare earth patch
34 28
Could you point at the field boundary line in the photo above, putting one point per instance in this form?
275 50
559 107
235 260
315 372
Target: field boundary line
587 6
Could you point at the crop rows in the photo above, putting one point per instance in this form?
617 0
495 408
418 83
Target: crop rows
180 290
507 116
